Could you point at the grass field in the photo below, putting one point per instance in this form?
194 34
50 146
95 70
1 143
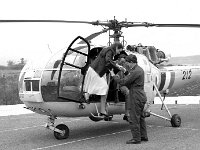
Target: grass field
9 87
190 89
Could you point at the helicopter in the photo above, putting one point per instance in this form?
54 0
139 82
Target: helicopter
55 87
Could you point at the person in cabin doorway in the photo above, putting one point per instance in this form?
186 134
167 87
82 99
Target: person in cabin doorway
97 77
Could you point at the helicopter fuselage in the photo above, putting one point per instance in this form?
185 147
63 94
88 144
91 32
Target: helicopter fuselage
39 89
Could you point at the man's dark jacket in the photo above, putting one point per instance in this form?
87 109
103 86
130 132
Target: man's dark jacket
135 83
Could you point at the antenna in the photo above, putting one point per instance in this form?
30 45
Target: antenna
49 49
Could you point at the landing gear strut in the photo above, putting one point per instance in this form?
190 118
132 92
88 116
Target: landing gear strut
61 131
175 119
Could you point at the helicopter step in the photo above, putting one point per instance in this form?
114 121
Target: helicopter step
174 119
100 117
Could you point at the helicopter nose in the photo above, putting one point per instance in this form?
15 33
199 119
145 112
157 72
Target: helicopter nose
29 86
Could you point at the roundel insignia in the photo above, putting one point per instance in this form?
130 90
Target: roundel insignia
167 80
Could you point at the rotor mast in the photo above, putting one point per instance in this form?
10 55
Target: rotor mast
115 26
116 36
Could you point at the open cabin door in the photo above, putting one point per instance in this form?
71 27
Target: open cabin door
71 79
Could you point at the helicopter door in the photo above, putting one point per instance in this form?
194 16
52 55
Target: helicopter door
70 78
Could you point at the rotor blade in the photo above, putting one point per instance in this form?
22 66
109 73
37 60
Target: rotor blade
92 36
102 23
50 21
176 25
146 24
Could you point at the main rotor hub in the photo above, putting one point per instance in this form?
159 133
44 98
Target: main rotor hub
115 26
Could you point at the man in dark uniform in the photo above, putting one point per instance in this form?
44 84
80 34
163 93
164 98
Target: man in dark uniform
96 80
135 83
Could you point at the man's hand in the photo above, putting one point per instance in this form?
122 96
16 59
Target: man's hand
121 68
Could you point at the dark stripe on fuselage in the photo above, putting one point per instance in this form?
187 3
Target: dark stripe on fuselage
163 79
171 79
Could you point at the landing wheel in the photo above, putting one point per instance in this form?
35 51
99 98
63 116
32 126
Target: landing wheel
63 135
176 120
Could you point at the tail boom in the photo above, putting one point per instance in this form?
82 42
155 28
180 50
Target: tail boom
178 76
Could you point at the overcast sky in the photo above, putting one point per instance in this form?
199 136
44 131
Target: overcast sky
36 40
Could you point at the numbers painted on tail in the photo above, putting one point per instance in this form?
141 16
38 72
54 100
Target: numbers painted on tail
187 74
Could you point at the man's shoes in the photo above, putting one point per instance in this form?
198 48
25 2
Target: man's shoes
126 118
144 139
132 141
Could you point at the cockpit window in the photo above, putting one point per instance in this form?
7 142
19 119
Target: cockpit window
76 59
72 58
35 85
31 85
27 85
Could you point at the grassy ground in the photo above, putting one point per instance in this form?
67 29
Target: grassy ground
190 89
9 87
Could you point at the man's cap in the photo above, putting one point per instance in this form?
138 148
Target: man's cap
131 58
